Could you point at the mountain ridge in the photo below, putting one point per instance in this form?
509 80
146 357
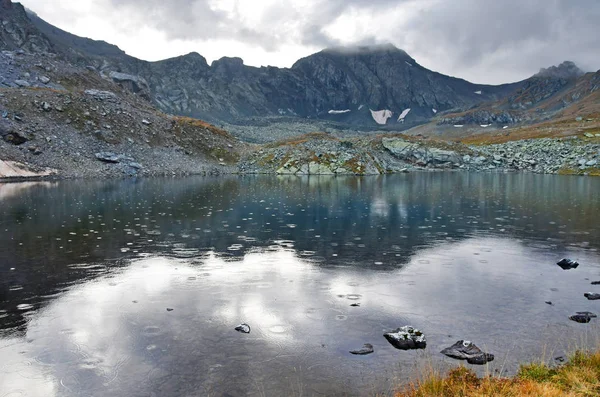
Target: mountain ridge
379 87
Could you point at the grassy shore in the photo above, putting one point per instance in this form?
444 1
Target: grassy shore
580 376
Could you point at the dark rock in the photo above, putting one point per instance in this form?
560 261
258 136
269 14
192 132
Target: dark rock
12 136
34 150
560 359
549 303
355 305
406 338
243 328
595 282
110 157
592 296
568 264
583 317
366 349
465 350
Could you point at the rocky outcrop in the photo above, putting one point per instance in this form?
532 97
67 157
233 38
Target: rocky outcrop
421 154
483 117
135 84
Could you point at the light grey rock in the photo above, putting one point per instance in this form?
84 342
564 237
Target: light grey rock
406 338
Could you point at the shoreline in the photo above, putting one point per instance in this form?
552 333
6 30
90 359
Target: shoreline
59 178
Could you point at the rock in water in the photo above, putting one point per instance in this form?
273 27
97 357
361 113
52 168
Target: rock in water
592 296
568 264
583 317
243 328
595 282
406 338
366 349
465 350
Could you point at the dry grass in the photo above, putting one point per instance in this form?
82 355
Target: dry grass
299 140
580 377
188 121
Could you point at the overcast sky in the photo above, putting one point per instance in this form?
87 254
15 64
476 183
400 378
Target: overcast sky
484 41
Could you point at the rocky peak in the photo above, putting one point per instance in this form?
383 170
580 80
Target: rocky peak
566 70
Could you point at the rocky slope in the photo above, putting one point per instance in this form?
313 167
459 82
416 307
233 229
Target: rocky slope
324 154
379 86
542 97
59 119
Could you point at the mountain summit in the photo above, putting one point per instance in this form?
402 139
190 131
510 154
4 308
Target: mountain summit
566 70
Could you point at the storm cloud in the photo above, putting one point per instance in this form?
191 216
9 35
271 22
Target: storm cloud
481 40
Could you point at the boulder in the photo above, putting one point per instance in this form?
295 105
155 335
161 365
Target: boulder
465 350
135 84
12 136
44 79
101 95
568 264
406 338
110 157
243 328
582 317
366 349
22 83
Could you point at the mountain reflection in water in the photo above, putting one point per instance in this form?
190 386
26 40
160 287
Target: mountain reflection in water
90 268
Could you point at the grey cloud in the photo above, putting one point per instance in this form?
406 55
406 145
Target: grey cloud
487 40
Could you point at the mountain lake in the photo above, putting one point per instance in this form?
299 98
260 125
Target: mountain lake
135 287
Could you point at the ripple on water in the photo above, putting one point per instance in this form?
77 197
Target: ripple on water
341 317
353 297
152 330
279 329
24 307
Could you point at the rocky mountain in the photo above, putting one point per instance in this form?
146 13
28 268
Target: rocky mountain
378 87
547 95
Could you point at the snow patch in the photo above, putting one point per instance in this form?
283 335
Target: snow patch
458 125
381 116
505 127
339 111
360 107
434 111
485 125
403 115
478 92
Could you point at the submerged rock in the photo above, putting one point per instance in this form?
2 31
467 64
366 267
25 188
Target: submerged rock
465 350
366 349
568 264
592 296
406 338
583 317
243 328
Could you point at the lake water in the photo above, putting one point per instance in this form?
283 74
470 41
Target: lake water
134 287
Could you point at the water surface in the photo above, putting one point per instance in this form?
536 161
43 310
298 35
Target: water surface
134 287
